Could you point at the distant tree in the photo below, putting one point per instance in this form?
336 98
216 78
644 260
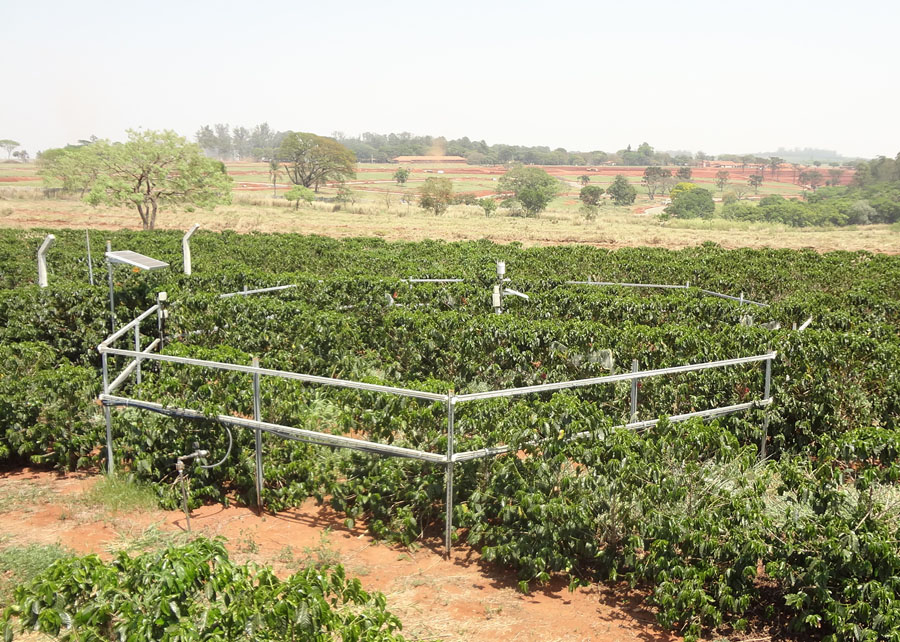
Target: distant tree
680 188
401 175
532 187
700 156
796 168
152 169
817 163
436 194
653 178
9 145
591 195
755 181
722 179
224 147
22 155
488 204
311 160
584 179
240 140
299 193
344 195
621 191
861 213
692 203
811 177
684 173
206 138
274 173
774 163
836 175
739 190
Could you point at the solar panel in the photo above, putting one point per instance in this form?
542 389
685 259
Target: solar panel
127 257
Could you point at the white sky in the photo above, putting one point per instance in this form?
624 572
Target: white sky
717 76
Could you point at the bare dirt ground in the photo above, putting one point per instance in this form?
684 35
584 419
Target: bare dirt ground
463 598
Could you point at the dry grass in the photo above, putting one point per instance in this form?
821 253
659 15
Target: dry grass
614 227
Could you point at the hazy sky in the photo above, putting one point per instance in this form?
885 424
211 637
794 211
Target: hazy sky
714 76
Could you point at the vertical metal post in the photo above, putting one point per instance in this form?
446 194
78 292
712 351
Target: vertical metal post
137 348
634 391
87 238
767 388
186 248
42 259
256 416
110 466
448 475
112 301
161 299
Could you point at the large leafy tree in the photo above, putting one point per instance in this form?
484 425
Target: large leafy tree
531 186
311 160
654 178
621 191
692 203
153 169
436 194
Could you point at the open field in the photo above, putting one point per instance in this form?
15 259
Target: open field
384 209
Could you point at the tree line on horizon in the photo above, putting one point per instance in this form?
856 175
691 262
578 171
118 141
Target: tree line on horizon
260 143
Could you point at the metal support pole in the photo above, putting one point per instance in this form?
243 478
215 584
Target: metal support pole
137 348
448 475
256 417
186 248
767 390
42 259
87 238
179 466
161 299
112 301
107 415
634 391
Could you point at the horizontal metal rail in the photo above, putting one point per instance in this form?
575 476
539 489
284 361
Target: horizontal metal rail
118 381
298 434
433 280
637 425
327 381
121 331
625 376
259 291
805 325
735 298
631 285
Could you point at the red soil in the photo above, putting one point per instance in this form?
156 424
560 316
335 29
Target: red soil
463 598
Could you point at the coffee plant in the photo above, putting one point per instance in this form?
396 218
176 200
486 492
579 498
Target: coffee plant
717 540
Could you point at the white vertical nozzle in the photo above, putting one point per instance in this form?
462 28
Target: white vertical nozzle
42 259
186 248
501 269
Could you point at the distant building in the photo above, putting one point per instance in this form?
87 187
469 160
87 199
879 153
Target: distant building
429 159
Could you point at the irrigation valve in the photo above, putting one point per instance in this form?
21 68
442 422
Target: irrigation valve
496 300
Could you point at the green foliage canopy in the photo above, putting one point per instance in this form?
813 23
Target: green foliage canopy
621 191
436 194
531 186
311 160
